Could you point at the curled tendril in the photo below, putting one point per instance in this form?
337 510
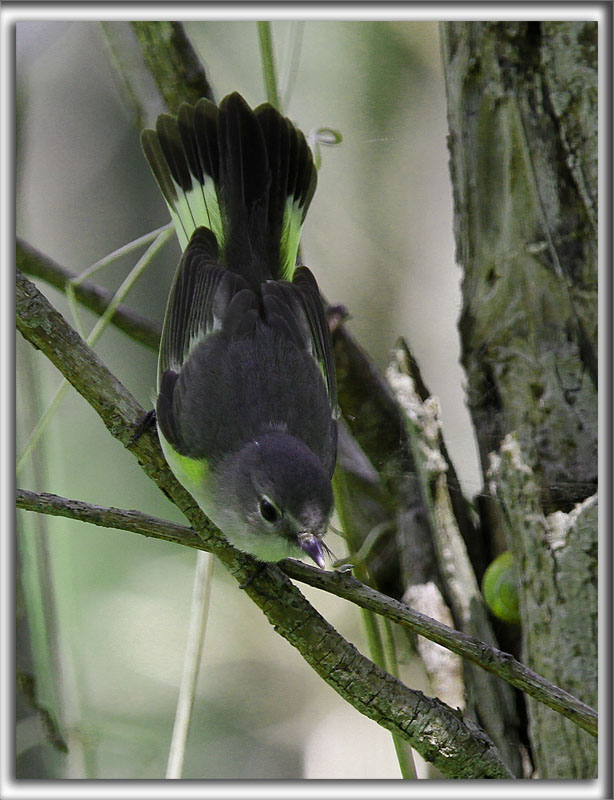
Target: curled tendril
322 136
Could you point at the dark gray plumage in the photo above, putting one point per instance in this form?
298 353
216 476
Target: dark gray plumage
246 382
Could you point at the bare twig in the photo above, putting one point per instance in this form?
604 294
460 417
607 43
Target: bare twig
109 517
504 665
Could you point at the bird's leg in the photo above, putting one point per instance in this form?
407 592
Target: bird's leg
147 421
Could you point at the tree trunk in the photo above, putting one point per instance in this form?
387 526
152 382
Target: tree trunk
522 109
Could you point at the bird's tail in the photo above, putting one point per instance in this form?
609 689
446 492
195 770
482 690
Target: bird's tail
246 175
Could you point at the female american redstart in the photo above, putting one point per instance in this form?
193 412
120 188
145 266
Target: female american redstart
247 398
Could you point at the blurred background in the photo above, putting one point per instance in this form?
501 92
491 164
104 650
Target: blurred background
379 239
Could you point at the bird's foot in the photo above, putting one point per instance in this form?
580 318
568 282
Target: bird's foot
147 421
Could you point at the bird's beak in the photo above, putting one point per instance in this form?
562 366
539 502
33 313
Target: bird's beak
311 545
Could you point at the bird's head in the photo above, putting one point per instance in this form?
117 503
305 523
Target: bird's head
275 499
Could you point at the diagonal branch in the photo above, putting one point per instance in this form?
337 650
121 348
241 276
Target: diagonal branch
157 65
91 295
343 585
109 517
440 734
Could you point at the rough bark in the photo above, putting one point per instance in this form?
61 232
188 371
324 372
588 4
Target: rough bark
557 581
523 125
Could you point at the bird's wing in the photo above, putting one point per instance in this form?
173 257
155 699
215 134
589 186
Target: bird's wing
203 296
296 307
201 290
306 284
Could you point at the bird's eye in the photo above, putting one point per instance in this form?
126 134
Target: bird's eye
268 511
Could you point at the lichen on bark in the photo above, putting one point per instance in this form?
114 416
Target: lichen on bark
522 119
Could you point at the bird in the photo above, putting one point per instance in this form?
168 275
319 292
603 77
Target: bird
246 404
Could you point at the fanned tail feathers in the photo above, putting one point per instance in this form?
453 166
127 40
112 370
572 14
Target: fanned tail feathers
246 175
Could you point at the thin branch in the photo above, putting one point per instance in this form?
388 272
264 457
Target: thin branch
32 262
172 62
158 67
109 517
440 734
501 664
160 237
